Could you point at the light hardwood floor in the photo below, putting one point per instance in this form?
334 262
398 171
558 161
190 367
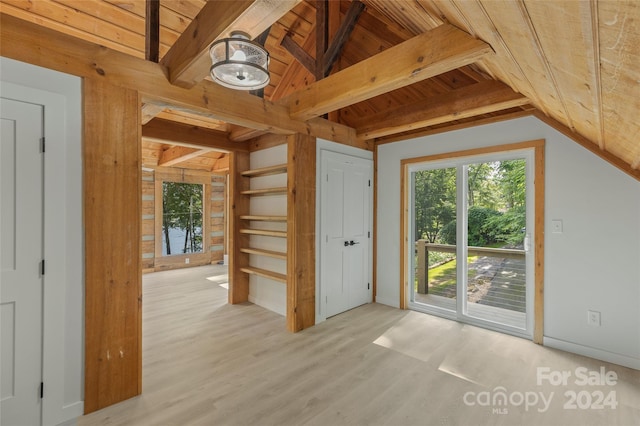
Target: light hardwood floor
209 363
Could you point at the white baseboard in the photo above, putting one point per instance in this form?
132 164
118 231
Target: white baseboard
266 305
69 414
624 360
394 303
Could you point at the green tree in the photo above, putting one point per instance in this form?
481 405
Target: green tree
182 209
434 201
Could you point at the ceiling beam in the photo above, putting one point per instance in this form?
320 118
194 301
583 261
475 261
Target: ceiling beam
220 165
237 133
178 154
25 41
173 133
469 101
429 54
188 59
344 31
299 53
152 31
149 111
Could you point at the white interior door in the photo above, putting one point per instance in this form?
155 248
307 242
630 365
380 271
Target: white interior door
346 232
21 233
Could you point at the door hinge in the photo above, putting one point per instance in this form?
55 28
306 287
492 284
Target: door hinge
42 267
42 144
41 390
368 234
368 286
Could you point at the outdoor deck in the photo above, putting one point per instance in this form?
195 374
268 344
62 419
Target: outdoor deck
496 287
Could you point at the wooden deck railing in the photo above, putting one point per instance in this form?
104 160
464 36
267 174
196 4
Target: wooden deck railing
423 247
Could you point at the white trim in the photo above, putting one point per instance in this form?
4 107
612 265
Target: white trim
590 352
63 251
461 165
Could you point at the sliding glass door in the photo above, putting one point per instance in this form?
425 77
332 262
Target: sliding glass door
471 223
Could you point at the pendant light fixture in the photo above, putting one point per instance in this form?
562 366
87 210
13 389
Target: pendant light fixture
239 63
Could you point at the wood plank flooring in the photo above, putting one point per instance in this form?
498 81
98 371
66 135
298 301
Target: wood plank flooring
209 363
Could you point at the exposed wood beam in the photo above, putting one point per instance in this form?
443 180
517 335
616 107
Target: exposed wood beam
188 59
25 41
178 154
457 125
152 31
149 112
299 54
426 55
469 101
337 43
586 143
322 36
221 165
177 133
238 133
261 40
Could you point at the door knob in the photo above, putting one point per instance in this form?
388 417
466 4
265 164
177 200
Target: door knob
346 243
351 243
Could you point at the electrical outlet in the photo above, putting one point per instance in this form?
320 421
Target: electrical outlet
593 318
186 260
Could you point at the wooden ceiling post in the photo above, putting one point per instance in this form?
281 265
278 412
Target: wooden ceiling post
322 37
152 31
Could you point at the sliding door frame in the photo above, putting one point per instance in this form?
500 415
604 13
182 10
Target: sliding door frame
538 238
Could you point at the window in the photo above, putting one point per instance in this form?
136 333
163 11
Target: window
469 237
182 214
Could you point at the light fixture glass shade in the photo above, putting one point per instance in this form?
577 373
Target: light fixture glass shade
239 63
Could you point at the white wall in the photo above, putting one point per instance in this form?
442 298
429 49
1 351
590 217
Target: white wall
593 265
64 287
267 293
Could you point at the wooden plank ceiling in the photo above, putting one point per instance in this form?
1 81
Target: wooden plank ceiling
575 64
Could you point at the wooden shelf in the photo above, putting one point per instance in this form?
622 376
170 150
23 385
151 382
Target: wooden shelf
266 171
264 273
264 218
265 232
265 191
268 253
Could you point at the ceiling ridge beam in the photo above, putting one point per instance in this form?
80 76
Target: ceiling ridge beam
426 55
469 101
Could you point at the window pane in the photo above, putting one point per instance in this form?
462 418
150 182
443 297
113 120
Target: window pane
181 218
434 231
496 227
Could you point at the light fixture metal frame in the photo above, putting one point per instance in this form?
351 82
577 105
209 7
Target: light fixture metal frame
244 38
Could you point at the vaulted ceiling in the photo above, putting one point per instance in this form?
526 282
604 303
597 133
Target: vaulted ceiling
573 64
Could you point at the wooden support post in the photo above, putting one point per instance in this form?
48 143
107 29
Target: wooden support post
112 183
238 206
322 36
301 228
152 33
